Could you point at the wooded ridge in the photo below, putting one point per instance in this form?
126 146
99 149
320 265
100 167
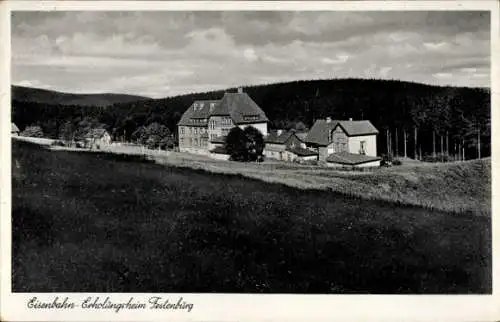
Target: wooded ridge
439 119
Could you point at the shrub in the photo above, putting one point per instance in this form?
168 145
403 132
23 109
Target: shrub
34 131
396 162
57 143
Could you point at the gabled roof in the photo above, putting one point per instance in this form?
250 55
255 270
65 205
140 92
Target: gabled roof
13 128
355 128
198 113
96 133
347 158
301 151
274 138
241 108
301 136
319 132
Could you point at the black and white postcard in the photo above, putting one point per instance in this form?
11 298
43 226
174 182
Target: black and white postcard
231 161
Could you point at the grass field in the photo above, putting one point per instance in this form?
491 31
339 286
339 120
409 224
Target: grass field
97 222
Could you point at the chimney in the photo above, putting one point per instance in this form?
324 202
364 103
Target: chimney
350 119
279 132
240 90
328 119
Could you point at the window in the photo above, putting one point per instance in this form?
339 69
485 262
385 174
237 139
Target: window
251 117
362 147
182 130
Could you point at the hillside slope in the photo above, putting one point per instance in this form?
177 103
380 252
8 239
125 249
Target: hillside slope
38 95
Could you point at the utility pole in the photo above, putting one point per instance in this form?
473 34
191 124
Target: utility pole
433 143
404 135
388 142
478 143
463 150
442 150
415 140
397 148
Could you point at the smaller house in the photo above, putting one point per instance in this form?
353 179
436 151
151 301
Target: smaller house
344 143
14 130
97 138
288 146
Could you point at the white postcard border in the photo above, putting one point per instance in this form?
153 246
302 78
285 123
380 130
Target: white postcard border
251 307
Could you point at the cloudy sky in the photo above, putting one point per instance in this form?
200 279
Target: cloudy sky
160 54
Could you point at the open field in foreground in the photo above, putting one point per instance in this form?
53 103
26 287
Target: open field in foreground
96 222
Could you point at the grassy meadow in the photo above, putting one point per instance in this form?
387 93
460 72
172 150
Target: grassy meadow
98 222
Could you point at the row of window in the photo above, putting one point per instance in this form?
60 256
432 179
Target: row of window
195 142
199 121
192 130
200 105
251 117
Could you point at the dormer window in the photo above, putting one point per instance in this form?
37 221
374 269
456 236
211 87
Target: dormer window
251 117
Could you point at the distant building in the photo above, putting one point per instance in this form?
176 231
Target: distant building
288 146
97 138
344 143
14 130
205 123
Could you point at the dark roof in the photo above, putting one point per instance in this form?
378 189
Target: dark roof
301 151
198 112
13 128
321 128
355 128
347 158
241 108
318 134
219 150
96 133
274 138
218 139
301 136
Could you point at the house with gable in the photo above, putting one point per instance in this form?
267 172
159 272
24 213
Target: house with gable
288 146
341 143
97 138
205 124
14 130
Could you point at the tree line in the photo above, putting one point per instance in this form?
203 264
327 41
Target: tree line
416 120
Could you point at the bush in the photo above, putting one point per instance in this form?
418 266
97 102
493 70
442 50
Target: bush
57 143
397 162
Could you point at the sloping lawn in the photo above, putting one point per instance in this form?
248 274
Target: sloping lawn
90 222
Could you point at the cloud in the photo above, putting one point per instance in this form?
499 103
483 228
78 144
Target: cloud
169 53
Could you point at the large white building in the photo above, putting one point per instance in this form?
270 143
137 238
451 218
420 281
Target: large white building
204 124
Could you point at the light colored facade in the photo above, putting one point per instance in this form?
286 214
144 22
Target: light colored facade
344 143
97 138
205 121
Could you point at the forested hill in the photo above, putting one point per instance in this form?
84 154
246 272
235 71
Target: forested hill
390 105
43 96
